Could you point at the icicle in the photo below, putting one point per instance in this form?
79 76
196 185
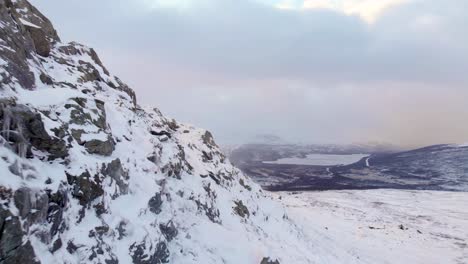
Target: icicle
22 145
11 137
7 115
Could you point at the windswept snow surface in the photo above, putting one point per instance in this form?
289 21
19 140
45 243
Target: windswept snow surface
385 226
321 160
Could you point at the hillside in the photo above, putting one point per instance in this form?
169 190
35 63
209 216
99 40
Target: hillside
90 176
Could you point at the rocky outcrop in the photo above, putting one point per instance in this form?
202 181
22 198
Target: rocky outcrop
169 230
24 129
157 253
12 247
100 147
155 204
269 261
241 210
85 188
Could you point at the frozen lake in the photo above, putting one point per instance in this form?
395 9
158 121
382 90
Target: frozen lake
321 160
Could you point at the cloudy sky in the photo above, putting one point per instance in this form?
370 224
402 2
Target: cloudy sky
317 71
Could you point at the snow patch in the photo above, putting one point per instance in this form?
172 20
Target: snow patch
29 24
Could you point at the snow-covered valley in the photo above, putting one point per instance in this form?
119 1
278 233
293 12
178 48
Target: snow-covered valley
384 226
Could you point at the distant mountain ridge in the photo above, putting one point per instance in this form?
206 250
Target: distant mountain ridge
437 167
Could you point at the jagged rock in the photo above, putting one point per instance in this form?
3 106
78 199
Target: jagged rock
26 128
71 247
12 248
243 184
39 38
121 229
101 230
32 205
90 73
56 245
95 58
161 133
241 209
101 122
169 230
173 170
269 261
57 204
45 79
99 147
35 17
155 204
208 139
160 254
207 156
210 211
85 188
76 134
153 158
124 88
115 171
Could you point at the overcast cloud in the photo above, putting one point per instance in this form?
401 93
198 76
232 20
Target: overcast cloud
318 71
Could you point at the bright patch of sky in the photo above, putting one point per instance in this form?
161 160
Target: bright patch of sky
170 3
368 10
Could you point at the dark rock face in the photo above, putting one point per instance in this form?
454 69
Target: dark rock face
12 248
241 209
155 204
210 211
160 254
24 40
169 230
90 73
80 116
32 205
208 139
39 38
57 205
116 172
269 261
99 147
85 188
25 128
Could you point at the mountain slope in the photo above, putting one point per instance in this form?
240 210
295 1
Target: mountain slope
88 176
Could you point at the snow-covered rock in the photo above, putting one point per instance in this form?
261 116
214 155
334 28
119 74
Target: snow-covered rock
89 176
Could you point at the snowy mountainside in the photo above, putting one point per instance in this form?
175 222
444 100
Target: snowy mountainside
88 176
